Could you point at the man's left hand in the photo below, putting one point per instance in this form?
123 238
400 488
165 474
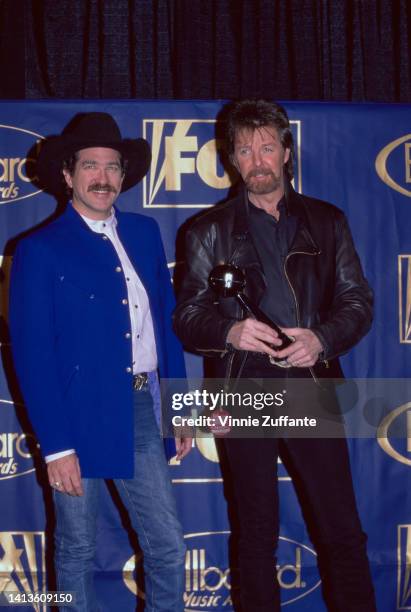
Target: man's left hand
304 352
183 446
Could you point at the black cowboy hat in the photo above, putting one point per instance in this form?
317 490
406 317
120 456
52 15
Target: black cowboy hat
84 131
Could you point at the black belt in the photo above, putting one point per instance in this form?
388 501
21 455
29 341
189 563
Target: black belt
140 381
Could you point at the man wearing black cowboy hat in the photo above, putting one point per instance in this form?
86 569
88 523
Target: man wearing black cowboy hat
90 320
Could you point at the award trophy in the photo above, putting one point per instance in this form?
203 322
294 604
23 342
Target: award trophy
228 280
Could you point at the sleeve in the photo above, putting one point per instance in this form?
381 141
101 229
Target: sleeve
197 320
33 338
173 369
174 358
351 312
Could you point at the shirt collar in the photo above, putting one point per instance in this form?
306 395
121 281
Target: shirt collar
101 226
281 206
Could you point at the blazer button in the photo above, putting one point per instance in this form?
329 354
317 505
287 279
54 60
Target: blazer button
124 301
91 296
127 335
129 370
118 269
105 237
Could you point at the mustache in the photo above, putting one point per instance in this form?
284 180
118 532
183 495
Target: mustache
259 171
102 187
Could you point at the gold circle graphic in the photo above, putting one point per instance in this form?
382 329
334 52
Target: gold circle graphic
381 165
382 434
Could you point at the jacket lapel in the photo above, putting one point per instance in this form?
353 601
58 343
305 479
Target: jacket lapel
303 241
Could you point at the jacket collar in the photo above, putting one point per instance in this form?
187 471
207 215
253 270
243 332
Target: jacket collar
241 229
71 216
294 205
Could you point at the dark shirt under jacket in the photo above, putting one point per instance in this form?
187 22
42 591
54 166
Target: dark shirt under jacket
272 240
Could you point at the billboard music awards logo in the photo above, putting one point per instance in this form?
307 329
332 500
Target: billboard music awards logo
186 169
207 572
404 568
16 170
23 563
16 447
404 298
393 165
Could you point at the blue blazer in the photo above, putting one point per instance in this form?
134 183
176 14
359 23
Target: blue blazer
68 328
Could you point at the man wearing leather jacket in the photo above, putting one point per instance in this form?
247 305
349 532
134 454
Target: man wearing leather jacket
302 270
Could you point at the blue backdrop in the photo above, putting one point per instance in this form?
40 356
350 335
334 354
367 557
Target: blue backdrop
356 156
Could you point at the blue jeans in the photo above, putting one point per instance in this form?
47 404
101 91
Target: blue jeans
149 500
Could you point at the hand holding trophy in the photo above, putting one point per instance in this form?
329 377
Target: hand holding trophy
228 280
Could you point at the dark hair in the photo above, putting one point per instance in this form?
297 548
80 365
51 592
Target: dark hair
253 114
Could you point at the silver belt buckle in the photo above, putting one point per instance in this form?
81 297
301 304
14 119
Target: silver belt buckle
139 381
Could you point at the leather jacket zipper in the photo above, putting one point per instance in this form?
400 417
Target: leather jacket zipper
229 367
297 310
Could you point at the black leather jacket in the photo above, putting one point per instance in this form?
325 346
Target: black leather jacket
332 296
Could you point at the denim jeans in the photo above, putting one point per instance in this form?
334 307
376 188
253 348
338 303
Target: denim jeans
149 500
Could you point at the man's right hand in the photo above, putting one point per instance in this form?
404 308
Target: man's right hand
252 335
64 475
